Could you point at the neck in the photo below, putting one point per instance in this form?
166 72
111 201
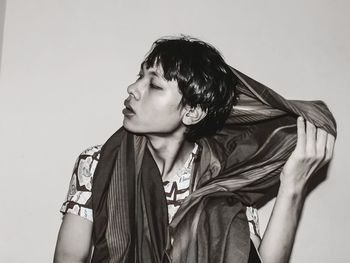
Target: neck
170 153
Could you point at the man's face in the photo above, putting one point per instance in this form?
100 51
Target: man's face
153 106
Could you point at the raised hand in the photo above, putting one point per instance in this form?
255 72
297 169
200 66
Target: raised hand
313 150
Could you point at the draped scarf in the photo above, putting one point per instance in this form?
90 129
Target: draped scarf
234 168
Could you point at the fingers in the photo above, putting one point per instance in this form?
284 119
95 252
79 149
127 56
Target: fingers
321 142
314 143
329 147
301 136
310 140
314 148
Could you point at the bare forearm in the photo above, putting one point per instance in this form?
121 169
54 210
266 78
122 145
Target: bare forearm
314 148
277 243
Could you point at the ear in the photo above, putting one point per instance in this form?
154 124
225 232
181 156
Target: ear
193 115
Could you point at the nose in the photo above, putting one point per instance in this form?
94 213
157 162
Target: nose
134 91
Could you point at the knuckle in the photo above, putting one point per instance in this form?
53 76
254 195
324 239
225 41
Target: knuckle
299 156
310 156
320 156
328 157
312 127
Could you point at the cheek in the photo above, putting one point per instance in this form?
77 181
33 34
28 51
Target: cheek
163 112
156 114
163 105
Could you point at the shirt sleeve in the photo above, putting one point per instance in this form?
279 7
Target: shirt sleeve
78 200
253 221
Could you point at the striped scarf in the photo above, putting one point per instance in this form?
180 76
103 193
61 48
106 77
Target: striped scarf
235 168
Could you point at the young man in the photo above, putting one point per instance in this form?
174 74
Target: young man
200 143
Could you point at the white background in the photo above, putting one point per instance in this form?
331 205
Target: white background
65 67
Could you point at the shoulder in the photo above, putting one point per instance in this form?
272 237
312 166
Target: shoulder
92 151
88 156
85 165
78 200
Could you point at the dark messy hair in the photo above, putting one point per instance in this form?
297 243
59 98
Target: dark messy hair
203 78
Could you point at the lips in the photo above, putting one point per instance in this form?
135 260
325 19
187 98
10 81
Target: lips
128 106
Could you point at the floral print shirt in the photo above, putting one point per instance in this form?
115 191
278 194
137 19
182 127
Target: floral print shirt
78 200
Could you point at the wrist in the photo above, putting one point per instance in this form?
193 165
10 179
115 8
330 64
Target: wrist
293 193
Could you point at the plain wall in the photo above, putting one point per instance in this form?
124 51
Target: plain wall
65 67
2 24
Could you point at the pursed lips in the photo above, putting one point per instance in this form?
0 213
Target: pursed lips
128 106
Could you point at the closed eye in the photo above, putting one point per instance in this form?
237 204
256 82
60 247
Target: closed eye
154 86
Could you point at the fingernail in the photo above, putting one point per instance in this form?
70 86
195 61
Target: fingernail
301 118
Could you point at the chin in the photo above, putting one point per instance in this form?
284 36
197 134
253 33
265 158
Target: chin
130 128
126 125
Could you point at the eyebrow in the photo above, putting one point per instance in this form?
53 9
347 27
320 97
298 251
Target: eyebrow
152 72
156 74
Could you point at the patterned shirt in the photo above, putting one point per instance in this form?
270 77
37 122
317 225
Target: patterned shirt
177 188
78 200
